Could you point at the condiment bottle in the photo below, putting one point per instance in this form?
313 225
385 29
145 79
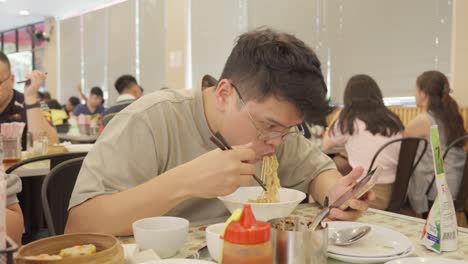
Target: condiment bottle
247 241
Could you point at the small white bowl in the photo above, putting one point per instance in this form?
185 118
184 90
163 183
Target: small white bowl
164 234
213 240
289 199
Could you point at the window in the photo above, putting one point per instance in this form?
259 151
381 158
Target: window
9 42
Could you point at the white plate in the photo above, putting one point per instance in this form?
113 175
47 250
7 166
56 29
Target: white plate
79 147
179 261
348 259
380 242
426 261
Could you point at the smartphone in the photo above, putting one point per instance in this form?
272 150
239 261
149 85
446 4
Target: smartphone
358 189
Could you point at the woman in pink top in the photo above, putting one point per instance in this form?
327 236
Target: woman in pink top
362 127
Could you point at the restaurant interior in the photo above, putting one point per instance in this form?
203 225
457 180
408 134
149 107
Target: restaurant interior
233 131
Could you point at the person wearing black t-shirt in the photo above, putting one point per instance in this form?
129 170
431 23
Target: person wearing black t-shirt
18 107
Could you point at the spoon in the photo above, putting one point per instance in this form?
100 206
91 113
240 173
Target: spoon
350 235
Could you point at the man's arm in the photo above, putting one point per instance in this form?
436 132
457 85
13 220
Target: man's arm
14 222
213 174
80 91
36 120
320 186
114 213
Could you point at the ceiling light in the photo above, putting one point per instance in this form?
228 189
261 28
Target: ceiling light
24 12
2 1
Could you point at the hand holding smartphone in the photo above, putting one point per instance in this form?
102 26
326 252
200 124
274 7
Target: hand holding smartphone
358 189
355 192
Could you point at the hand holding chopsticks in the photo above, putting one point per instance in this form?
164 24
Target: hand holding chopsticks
27 82
221 143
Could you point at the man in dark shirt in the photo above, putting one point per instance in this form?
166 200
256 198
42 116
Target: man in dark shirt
15 112
93 105
129 91
18 107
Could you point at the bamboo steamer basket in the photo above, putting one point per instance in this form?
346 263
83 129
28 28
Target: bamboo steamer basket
108 249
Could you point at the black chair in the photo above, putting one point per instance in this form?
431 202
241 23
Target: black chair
407 162
56 192
461 200
55 159
30 196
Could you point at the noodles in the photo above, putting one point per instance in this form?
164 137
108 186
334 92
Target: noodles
271 180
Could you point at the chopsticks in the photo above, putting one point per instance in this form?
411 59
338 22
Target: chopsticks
221 143
27 81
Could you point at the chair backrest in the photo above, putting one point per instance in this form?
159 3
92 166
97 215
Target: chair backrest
407 162
460 200
55 159
56 192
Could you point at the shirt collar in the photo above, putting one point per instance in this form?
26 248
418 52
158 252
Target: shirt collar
124 97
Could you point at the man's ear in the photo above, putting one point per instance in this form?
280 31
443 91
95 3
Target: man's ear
223 94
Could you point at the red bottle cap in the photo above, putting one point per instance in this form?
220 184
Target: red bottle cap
247 230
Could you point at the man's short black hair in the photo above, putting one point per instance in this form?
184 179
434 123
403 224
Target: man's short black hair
74 100
124 82
208 81
97 91
266 63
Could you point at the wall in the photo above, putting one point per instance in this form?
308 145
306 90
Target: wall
176 43
99 46
51 57
460 52
349 39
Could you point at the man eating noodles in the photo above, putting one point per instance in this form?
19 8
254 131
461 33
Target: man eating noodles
156 158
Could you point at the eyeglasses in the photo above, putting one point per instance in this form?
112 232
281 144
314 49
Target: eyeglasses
7 78
267 135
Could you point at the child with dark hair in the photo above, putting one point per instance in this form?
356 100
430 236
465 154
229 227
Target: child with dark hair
93 105
71 104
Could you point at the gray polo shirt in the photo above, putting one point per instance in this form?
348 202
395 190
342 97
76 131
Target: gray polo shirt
163 130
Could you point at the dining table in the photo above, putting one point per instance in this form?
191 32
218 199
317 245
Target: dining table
32 175
77 139
411 227
39 168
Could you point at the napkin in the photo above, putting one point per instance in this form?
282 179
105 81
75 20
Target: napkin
133 254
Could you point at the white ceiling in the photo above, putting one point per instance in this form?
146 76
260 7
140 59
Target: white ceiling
39 9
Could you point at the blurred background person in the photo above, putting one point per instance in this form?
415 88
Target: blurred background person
19 107
438 108
129 91
93 105
362 127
